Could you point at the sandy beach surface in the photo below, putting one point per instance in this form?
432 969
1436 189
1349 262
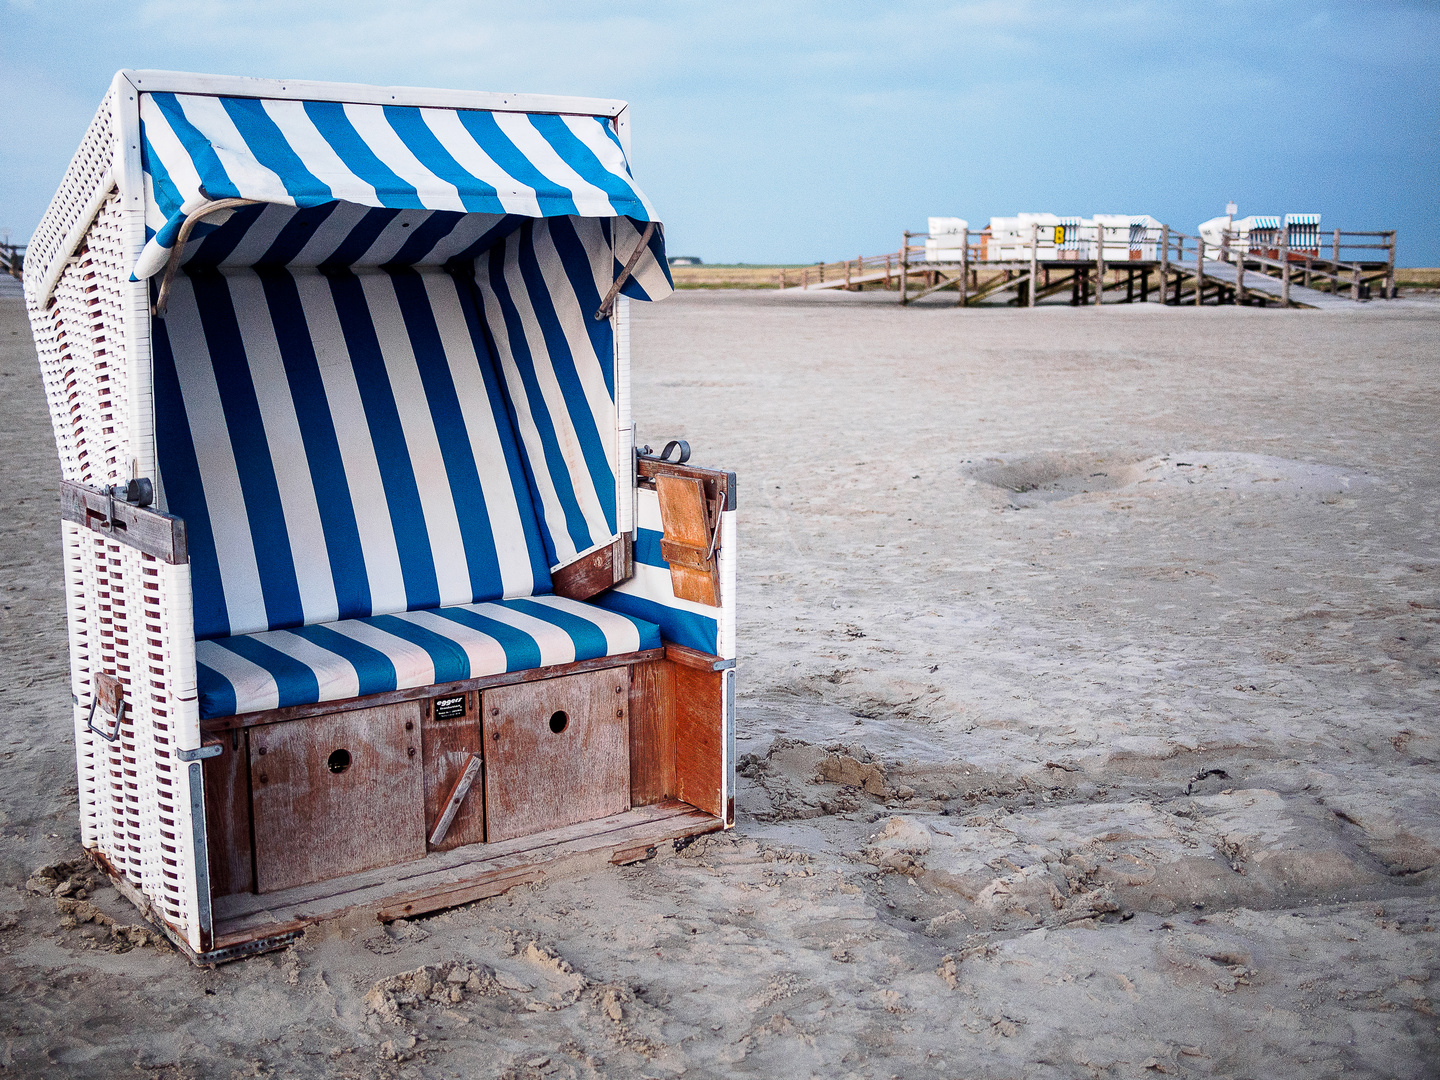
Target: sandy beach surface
1089 708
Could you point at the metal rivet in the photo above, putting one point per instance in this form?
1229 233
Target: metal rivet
262 751
409 725
411 751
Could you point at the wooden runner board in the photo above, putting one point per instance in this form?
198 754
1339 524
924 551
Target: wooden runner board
444 879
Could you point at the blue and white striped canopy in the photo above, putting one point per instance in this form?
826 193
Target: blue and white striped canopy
439 169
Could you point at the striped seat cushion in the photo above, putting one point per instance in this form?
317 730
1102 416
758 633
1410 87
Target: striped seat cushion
339 446
355 657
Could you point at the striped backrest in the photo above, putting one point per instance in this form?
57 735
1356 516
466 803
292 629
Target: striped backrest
538 290
339 446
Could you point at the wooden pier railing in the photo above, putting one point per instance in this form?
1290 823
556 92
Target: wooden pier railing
1093 261
848 274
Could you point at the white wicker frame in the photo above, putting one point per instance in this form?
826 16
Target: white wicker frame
130 614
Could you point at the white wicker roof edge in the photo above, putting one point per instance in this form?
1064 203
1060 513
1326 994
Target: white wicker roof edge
184 82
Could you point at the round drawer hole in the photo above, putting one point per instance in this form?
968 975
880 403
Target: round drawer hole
559 722
339 761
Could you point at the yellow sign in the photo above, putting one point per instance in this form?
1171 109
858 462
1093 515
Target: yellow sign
1059 234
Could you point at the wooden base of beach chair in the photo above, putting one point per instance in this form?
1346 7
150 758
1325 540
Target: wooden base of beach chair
247 923
407 802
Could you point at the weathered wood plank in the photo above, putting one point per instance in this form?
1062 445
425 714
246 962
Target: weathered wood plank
157 534
690 527
444 874
450 737
227 818
717 482
694 658
594 573
652 732
463 783
556 752
337 794
699 750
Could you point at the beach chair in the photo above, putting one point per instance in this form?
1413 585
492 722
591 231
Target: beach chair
373 605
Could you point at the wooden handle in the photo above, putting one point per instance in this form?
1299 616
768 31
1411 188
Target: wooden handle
457 796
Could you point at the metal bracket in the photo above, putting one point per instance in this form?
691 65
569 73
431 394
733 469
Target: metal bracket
119 717
679 447
208 750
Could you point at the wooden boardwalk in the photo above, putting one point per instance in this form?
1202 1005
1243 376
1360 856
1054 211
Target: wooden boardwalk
1176 268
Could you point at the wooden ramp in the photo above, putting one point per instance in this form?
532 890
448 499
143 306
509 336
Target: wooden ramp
869 277
1272 288
848 275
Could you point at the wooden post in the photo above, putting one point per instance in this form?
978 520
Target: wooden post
964 268
1034 262
887 271
1355 281
1390 268
1240 277
1336 256
1099 264
1199 269
1165 264
905 268
1284 264
782 277
847 275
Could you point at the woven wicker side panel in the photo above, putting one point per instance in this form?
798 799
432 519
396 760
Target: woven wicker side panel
86 173
58 375
165 848
105 270
78 570
120 781
82 358
130 618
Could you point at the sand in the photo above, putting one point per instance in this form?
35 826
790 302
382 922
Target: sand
1090 675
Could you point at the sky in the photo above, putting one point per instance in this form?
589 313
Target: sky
778 132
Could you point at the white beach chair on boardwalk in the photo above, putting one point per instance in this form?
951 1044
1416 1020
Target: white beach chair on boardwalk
372 604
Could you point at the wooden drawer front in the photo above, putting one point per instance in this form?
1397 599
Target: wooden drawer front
318 816
451 730
539 778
